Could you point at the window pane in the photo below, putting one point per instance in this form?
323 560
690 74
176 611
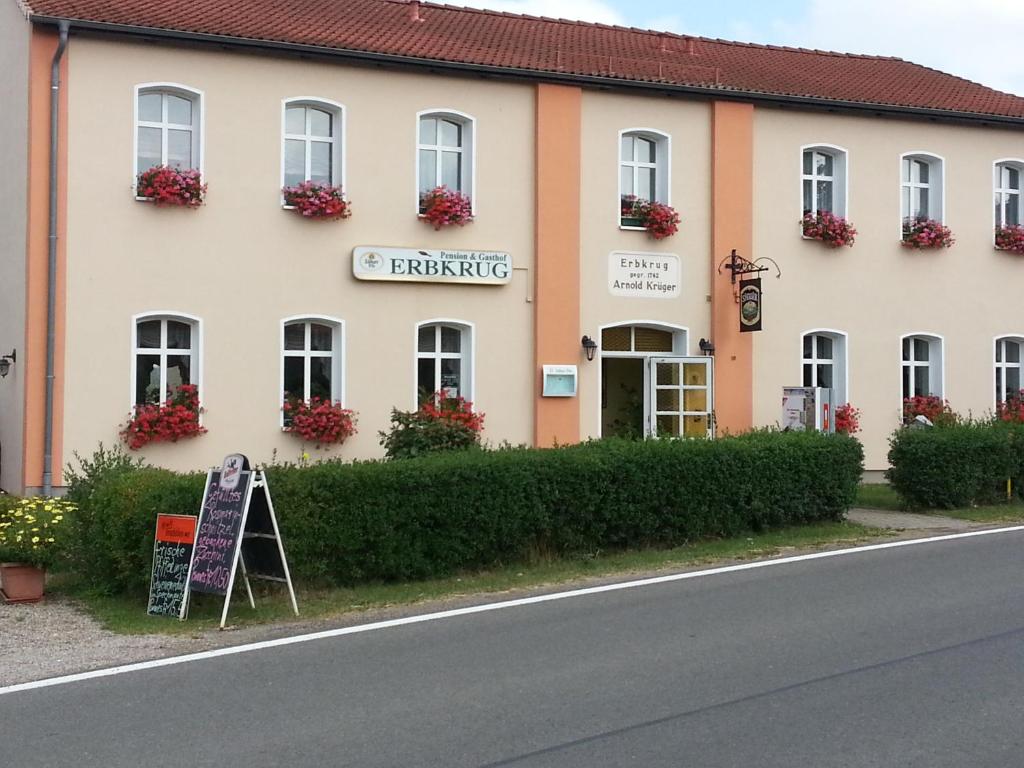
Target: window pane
149 148
823 164
147 379
179 149
1012 352
179 335
922 203
451 339
177 372
428 170
321 337
425 384
923 171
626 179
808 345
295 120
179 110
667 400
451 377
667 373
295 336
618 339
294 378
808 162
1012 209
148 334
320 377
906 381
999 386
451 134
150 107
320 123
999 198
294 162
667 426
825 196
627 148
921 380
808 375
906 349
824 347
808 196
651 340
426 341
451 170
825 376
320 161
999 351
1012 178
645 183
905 211
646 150
1012 381
428 130
920 350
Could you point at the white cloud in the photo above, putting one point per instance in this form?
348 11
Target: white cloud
978 40
582 10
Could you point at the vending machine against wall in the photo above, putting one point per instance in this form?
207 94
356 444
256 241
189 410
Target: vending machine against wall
806 408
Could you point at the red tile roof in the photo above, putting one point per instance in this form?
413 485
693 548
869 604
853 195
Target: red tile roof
443 33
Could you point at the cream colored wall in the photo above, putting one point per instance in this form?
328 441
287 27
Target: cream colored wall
688 124
14 60
877 290
242 264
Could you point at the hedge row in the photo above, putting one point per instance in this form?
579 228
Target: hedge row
436 515
956 466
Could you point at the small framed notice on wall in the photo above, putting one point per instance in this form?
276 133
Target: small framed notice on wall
559 381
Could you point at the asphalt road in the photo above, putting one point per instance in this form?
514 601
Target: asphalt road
901 657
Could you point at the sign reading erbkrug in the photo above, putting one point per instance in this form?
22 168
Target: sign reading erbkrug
370 262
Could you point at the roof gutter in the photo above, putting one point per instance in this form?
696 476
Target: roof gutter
538 74
63 27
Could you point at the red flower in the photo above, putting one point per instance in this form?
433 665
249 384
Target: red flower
658 219
1012 410
1010 238
834 231
317 201
165 422
847 419
162 185
932 407
926 233
442 207
454 410
319 421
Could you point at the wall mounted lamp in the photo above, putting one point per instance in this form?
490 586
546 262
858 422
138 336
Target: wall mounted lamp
706 347
589 347
6 361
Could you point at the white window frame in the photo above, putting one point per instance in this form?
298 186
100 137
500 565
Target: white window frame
467 355
997 189
337 355
468 149
936 363
338 154
839 361
840 177
195 352
198 99
998 364
936 186
662 168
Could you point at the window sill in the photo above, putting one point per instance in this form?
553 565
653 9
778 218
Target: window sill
140 199
631 228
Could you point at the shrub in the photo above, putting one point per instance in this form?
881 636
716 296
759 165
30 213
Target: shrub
441 423
31 529
955 466
438 514
834 231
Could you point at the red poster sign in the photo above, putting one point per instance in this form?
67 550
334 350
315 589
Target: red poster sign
176 529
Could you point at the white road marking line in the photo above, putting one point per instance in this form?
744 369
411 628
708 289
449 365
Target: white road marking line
172 660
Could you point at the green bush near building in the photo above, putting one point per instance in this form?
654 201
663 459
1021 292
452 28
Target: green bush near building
956 466
440 514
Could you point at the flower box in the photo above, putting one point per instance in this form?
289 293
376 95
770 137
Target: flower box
319 421
658 219
926 233
443 207
313 200
1010 238
165 422
164 186
824 226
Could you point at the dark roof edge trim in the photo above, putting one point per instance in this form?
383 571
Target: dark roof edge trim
537 74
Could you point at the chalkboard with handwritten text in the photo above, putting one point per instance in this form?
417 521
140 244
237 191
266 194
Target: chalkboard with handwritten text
172 551
219 534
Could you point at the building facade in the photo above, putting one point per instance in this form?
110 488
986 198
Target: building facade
251 302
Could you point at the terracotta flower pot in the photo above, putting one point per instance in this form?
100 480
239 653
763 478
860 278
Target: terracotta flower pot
22 583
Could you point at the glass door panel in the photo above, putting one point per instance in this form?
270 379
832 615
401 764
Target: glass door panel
680 397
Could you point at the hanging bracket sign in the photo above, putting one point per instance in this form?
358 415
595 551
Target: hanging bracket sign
371 262
750 305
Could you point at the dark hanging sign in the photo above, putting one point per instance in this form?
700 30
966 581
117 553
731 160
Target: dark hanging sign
750 305
172 551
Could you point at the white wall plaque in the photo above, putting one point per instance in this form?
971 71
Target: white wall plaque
643 275
371 262
559 381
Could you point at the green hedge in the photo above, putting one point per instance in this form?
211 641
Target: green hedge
432 516
955 466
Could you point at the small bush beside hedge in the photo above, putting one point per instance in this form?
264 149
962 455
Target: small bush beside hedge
435 515
957 465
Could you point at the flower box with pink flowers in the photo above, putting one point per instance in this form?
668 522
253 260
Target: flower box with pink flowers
921 233
444 207
1010 238
163 186
658 219
834 231
313 200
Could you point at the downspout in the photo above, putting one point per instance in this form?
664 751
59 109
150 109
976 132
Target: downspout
51 270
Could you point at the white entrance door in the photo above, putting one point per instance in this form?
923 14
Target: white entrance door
681 394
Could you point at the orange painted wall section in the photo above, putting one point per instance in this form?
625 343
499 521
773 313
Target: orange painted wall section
557 290
44 44
732 201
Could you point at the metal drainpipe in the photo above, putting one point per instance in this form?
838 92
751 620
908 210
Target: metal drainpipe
51 270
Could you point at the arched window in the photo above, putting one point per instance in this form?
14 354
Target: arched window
823 362
165 356
922 365
167 127
823 180
311 359
643 170
313 142
444 152
921 187
444 360
1008 367
1007 190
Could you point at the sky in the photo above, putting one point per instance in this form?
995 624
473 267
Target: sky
980 40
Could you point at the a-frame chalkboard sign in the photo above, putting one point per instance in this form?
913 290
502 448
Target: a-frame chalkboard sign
237 526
